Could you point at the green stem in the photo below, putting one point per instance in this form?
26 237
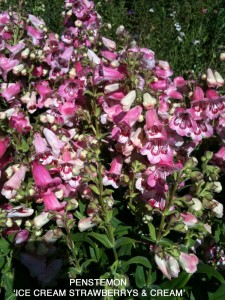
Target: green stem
168 205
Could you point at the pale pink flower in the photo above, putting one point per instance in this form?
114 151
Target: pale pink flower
43 153
189 219
168 266
183 122
157 150
35 34
11 186
188 262
109 44
55 143
85 224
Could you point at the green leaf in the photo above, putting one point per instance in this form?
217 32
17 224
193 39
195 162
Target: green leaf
124 241
219 294
102 238
210 271
94 189
87 92
139 260
24 146
140 277
152 231
177 283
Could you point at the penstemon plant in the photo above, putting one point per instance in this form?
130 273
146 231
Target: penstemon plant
105 157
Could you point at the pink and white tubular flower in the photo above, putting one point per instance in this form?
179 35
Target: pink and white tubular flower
6 65
188 262
69 166
183 122
154 129
203 130
157 150
11 91
20 123
111 177
36 22
70 89
52 203
124 122
19 212
35 34
212 106
43 153
55 143
109 44
189 219
21 236
103 73
168 266
11 186
42 177
159 173
219 158
85 224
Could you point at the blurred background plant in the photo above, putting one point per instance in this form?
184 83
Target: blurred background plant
189 34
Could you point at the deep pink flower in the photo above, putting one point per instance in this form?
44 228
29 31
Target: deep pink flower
20 123
42 176
103 73
52 203
154 129
21 236
70 89
4 143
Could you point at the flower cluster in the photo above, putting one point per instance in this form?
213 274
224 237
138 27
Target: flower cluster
72 105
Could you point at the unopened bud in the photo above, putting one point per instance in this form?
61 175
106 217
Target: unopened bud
25 53
222 56
17 69
78 23
120 30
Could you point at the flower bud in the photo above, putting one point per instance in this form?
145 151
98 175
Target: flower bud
72 204
25 53
120 30
17 69
197 206
78 23
222 56
217 208
148 101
